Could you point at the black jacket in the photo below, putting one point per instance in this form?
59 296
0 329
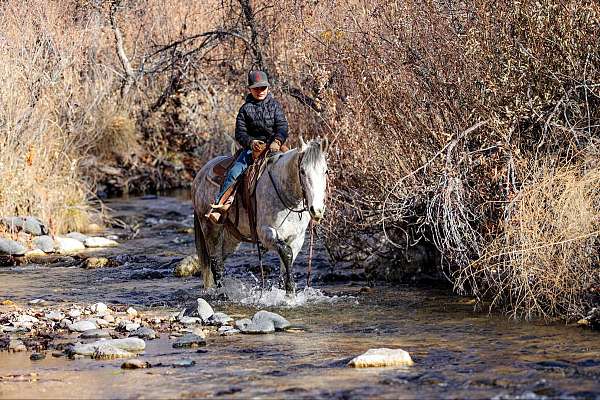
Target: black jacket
260 120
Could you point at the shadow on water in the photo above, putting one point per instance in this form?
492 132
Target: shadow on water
458 353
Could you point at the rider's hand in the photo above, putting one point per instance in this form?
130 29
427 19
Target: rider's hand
257 146
275 146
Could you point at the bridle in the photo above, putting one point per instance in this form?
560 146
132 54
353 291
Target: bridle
304 201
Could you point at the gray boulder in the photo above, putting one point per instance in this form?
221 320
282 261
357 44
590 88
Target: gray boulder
144 333
11 248
205 311
278 321
262 322
219 319
127 344
95 334
29 225
80 237
45 243
82 326
190 340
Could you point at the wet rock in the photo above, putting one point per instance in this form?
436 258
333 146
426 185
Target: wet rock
135 364
99 308
96 334
95 242
382 357
278 321
55 316
190 320
58 354
67 245
190 340
77 236
144 333
16 346
109 352
205 311
247 326
219 319
132 345
37 356
29 225
45 243
11 248
98 262
183 364
189 266
227 331
82 326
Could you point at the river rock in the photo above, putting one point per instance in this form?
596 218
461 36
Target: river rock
65 323
99 308
190 340
132 312
205 311
37 356
227 330
98 262
219 319
27 318
82 326
45 243
247 326
183 364
67 245
29 225
278 321
95 242
135 364
189 266
11 248
34 254
109 352
133 345
144 333
55 316
95 334
80 237
16 346
190 320
74 313
382 357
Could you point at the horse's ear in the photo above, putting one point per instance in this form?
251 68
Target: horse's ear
325 145
303 144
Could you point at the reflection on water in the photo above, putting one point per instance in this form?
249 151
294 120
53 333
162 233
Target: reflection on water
458 353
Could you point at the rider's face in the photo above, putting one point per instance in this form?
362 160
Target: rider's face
260 93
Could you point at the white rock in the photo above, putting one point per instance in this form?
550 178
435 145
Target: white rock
205 311
127 344
99 308
82 326
55 316
68 245
65 323
100 322
27 318
190 320
35 253
99 242
37 301
74 313
382 357
132 312
109 318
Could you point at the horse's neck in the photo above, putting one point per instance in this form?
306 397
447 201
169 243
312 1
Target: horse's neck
287 177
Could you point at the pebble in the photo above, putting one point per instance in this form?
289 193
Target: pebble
35 253
110 352
190 320
7 303
11 248
80 237
37 301
37 356
55 316
132 312
247 326
109 318
135 364
189 340
16 345
205 311
183 364
95 334
99 308
382 357
144 333
95 242
27 318
65 323
126 344
74 313
82 326
230 332
100 322
58 354
187 267
96 262
67 245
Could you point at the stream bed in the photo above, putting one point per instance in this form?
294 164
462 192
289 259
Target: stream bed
458 352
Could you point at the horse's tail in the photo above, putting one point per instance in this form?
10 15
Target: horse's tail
202 251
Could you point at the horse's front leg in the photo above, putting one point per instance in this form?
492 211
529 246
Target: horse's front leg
271 241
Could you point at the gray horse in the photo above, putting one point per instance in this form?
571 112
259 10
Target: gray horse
289 193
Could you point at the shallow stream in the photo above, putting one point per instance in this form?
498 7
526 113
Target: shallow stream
458 352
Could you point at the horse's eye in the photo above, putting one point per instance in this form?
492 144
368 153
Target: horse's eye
326 172
302 172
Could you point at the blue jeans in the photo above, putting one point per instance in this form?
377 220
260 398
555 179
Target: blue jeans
237 169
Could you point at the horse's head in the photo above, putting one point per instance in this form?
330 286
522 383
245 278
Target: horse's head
313 175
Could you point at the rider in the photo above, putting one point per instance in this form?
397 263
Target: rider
259 123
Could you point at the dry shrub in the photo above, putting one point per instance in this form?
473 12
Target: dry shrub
546 258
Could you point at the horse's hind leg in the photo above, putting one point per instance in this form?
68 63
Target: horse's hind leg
209 239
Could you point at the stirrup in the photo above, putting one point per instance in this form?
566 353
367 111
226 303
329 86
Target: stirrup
213 217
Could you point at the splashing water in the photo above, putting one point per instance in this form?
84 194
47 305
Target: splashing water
237 291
